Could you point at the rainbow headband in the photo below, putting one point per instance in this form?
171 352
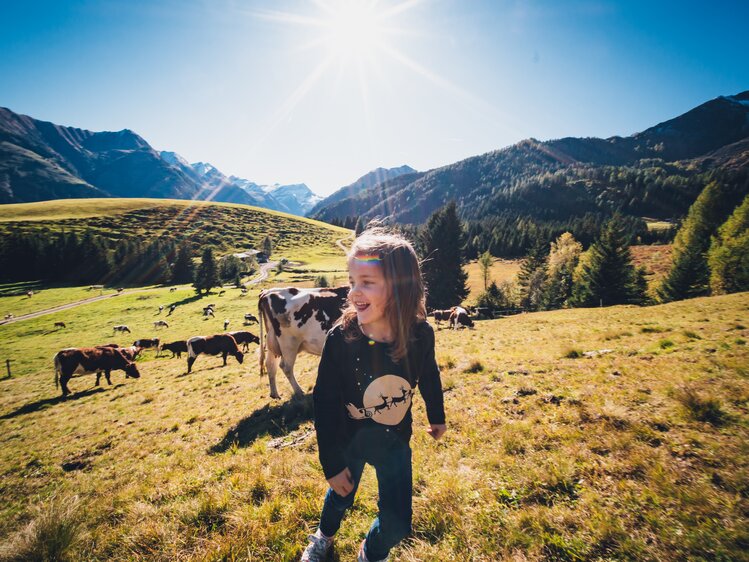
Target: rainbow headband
368 258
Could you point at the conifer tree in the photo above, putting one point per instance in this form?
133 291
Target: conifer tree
689 275
183 269
442 240
728 257
532 276
206 276
359 226
268 246
607 275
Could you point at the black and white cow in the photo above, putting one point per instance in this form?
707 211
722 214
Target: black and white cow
459 317
245 338
176 347
295 320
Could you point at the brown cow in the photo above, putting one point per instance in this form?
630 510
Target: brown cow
295 320
90 360
222 344
245 338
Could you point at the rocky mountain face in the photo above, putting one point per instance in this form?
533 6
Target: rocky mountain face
652 173
40 160
648 173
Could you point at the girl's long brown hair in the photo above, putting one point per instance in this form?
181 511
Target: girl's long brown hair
406 296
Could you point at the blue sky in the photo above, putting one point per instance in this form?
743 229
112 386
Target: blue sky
292 91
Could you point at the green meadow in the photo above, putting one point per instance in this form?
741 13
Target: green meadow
227 227
585 434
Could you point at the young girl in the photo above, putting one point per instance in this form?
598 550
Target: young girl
373 360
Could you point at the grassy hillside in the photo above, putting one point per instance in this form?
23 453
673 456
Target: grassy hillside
228 227
638 452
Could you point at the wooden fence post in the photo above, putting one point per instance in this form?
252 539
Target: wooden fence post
7 365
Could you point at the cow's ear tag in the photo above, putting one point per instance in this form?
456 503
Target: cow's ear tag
371 342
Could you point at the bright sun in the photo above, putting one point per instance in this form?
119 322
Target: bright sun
353 30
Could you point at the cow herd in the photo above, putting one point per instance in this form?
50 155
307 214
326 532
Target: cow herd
291 320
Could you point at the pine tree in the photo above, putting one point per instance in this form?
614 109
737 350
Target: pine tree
689 275
268 246
532 276
728 257
607 275
183 269
359 227
442 240
206 276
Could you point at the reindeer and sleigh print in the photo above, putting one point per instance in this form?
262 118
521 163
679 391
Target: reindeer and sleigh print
386 400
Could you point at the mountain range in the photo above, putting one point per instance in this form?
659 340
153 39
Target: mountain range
656 173
41 161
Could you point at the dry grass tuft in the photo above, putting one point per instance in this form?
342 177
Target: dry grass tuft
50 536
700 407
475 366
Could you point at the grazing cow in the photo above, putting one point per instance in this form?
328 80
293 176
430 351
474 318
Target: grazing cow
172 289
161 308
122 328
222 344
176 347
245 338
60 325
295 320
130 353
442 315
91 360
8 316
226 324
460 317
147 343
484 313
171 309
221 293
120 289
249 319
160 324
208 310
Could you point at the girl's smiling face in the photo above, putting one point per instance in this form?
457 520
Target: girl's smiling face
369 295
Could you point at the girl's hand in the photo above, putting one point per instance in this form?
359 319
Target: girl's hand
342 483
437 430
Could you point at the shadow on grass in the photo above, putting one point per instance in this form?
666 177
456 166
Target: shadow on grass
41 404
270 420
187 300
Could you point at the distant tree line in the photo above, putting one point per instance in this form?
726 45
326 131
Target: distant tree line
69 258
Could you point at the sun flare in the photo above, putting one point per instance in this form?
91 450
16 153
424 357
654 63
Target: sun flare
353 30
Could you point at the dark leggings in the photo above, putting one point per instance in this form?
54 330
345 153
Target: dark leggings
393 522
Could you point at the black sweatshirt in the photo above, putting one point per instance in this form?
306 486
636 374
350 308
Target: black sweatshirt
363 399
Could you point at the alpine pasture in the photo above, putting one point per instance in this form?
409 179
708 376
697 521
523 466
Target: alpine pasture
587 434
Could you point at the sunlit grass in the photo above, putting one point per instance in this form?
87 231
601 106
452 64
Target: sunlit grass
639 453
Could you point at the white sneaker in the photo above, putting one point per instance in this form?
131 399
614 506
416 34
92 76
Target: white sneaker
318 547
363 557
